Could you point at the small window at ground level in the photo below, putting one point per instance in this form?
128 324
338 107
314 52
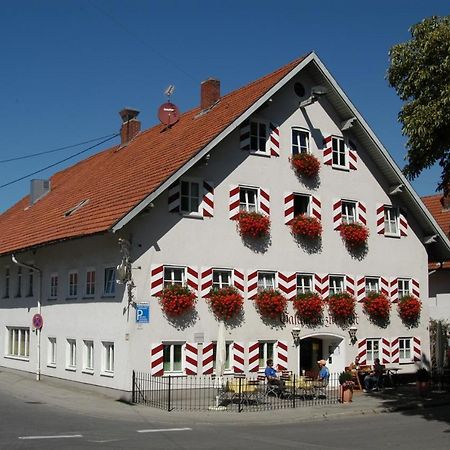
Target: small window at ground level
172 357
174 275
266 280
71 359
266 351
108 357
304 283
19 342
373 350
337 284
88 357
248 199
405 349
302 204
51 358
221 278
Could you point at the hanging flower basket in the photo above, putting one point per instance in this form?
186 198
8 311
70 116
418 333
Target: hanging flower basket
342 307
354 234
306 226
309 308
305 164
270 303
409 308
225 303
377 306
253 224
176 300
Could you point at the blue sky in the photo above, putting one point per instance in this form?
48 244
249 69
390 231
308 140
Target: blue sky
68 66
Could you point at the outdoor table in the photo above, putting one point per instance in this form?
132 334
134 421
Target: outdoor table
391 374
303 386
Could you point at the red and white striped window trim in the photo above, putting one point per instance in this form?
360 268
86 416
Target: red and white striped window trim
314 206
191 277
262 201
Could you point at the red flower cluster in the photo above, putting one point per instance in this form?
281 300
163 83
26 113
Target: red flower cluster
377 306
342 307
176 300
309 307
306 226
253 224
354 234
305 164
409 309
225 303
270 303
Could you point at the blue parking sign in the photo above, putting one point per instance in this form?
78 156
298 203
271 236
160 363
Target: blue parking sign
143 313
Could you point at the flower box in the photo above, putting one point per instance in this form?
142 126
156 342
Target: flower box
306 226
342 307
354 234
377 306
409 308
305 164
270 303
253 224
226 303
176 300
309 308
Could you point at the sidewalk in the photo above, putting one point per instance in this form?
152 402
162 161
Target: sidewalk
96 402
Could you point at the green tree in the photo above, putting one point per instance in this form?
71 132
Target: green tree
420 73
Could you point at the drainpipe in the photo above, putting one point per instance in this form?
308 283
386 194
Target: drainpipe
38 345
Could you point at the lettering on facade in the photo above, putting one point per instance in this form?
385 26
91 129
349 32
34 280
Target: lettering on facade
293 319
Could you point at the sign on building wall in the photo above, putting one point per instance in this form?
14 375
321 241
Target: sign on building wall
142 313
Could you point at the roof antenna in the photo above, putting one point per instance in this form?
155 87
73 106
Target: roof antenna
168 113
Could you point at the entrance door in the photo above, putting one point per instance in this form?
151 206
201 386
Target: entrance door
310 353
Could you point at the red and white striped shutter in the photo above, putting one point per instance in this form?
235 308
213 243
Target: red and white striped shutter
244 135
238 357
380 218
288 207
264 201
415 290
328 150
156 279
362 351
360 282
282 355
403 223
253 356
252 284
321 285
350 284
274 140
394 290
337 214
234 201
207 206
205 281
238 280
174 197
287 284
316 207
362 213
395 351
385 351
156 360
384 286
208 358
417 350
192 279
352 159
190 359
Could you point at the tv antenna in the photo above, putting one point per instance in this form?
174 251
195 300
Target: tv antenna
168 113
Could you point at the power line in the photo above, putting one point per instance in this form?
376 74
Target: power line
32 155
58 162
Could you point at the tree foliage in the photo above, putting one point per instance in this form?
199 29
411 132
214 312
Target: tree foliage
420 73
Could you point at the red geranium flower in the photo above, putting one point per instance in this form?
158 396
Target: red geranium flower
226 302
309 308
253 224
409 308
305 164
302 225
176 300
270 303
377 306
342 307
354 234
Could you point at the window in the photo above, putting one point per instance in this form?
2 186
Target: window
71 355
304 283
248 199
373 350
73 284
7 282
405 349
174 275
300 141
30 282
266 351
221 278
88 356
391 217
108 357
54 285
348 212
372 284
227 356
258 137
172 357
266 280
190 196
109 287
336 284
19 342
51 354
339 155
302 204
19 282
90 282
403 287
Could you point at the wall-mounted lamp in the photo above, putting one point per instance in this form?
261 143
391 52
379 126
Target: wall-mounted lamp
316 93
352 333
296 335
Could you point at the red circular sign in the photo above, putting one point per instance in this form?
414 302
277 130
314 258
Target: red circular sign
168 113
38 321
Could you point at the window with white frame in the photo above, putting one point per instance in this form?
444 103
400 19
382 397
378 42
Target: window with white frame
373 350
266 280
391 221
221 278
248 199
109 286
51 352
227 356
88 356
53 285
73 283
403 287
172 357
19 342
190 196
304 283
71 354
7 279
258 136
90 283
108 358
339 152
337 284
19 282
302 204
174 275
372 284
348 212
30 283
404 347
266 351
300 141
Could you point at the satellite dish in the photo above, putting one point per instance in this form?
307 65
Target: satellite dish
168 113
121 273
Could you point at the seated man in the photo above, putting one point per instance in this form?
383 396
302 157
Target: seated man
271 375
372 380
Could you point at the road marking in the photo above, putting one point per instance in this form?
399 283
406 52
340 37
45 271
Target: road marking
61 436
154 430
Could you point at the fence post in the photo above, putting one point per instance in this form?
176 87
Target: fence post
168 397
293 392
133 388
240 395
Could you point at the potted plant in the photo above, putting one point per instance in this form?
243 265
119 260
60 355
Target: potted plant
270 303
409 310
176 300
225 302
354 234
309 308
423 381
253 224
347 386
306 226
342 307
305 164
377 306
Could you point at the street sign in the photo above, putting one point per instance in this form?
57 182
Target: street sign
38 321
142 313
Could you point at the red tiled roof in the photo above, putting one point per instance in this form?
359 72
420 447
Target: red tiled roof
118 179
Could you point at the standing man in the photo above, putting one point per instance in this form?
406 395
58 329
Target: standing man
324 373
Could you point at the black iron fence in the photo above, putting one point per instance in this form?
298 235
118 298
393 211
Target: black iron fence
232 393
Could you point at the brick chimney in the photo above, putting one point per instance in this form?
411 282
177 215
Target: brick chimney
445 201
130 125
209 93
